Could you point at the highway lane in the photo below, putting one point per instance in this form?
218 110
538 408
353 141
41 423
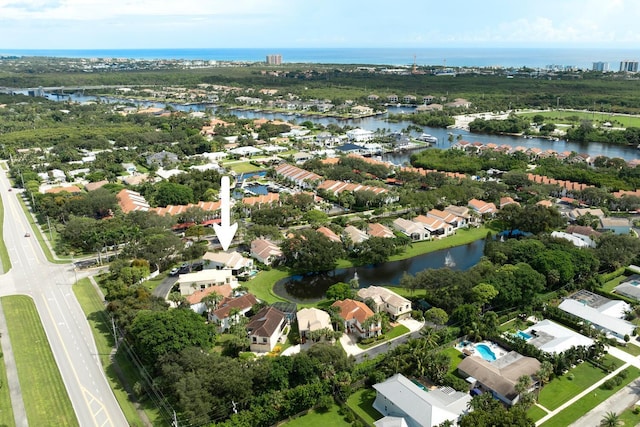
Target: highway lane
64 322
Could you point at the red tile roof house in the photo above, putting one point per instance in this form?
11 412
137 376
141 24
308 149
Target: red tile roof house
464 213
220 316
195 299
379 230
299 177
453 220
265 329
265 251
329 234
505 201
355 315
482 207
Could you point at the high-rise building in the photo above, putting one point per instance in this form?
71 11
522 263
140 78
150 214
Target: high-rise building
600 66
629 66
274 59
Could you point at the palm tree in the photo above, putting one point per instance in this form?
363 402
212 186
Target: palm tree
611 419
177 298
545 371
429 336
211 301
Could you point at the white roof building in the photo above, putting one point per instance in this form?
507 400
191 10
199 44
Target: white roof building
399 397
359 135
551 337
577 242
613 326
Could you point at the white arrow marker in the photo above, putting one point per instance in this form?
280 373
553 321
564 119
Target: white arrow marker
224 230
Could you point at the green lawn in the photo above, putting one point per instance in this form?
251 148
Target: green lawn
462 237
589 401
562 388
243 167
4 254
262 284
393 333
93 308
361 402
45 397
611 284
632 349
560 117
535 413
6 410
629 418
455 356
314 418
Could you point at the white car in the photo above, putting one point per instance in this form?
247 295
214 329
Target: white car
174 271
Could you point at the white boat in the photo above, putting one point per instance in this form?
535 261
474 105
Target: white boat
448 260
425 137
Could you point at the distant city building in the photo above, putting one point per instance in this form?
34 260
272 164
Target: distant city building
274 59
629 66
600 66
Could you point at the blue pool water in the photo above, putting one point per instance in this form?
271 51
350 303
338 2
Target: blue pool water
419 385
524 335
485 352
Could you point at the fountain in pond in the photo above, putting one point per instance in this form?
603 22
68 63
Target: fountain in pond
449 261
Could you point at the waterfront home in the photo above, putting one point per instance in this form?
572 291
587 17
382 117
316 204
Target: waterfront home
337 187
356 315
413 230
481 207
500 376
388 301
453 220
378 230
265 251
265 329
311 320
222 314
436 228
355 235
329 234
405 403
359 135
465 213
201 280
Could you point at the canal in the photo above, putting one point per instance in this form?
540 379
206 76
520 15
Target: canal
311 288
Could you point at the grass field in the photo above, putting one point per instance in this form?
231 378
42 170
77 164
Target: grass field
361 402
561 117
629 418
315 418
6 410
562 388
93 308
535 413
45 397
243 167
589 401
4 255
393 333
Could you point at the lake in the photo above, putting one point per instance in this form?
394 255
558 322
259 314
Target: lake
311 288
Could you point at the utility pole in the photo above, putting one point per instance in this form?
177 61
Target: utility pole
115 336
174 423
50 233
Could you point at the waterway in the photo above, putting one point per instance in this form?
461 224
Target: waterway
311 288
373 123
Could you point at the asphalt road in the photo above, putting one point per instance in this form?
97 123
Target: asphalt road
64 322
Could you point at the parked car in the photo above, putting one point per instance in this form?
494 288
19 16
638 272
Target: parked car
27 234
174 271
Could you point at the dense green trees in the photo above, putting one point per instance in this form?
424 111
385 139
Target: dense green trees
310 251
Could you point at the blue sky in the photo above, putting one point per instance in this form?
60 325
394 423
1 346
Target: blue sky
103 24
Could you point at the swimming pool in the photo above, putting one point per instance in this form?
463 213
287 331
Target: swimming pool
485 352
525 336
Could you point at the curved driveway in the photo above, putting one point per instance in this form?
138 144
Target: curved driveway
70 338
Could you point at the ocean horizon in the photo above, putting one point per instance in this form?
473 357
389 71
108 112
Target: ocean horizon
581 58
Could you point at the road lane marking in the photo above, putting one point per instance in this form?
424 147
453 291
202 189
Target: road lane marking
75 373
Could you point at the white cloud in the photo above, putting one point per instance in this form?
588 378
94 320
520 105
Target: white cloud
106 9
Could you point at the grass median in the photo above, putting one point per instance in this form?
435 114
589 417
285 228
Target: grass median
45 397
4 254
6 410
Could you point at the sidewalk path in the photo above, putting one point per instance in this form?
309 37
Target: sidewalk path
15 392
617 403
628 360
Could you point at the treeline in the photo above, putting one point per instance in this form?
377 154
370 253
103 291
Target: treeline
460 161
586 132
513 124
436 119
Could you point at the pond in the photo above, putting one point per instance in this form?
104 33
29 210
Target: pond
311 288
